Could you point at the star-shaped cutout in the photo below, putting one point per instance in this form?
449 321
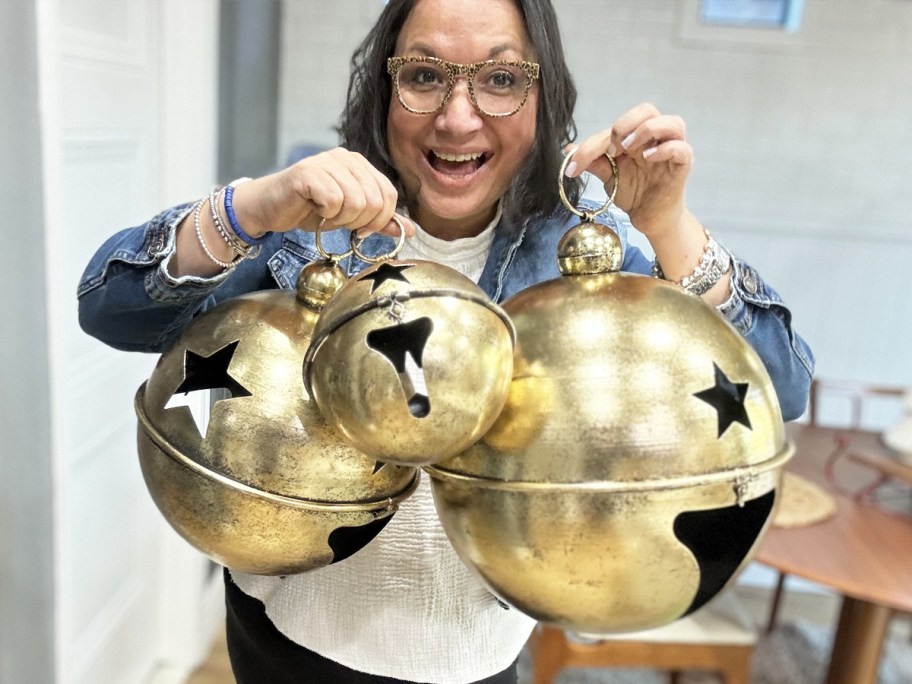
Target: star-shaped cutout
727 398
386 271
203 373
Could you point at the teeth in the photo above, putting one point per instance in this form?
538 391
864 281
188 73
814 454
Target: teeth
458 157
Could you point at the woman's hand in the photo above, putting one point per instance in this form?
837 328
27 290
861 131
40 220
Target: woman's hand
328 190
653 159
338 187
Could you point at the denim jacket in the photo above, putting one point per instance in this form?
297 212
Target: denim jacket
128 300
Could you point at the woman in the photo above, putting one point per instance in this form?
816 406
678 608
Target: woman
471 152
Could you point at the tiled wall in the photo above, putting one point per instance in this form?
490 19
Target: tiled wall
802 143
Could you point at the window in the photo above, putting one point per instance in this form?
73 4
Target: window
772 14
742 24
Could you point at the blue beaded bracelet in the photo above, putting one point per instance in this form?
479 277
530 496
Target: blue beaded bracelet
235 226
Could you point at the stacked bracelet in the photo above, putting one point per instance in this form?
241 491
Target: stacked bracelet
715 262
244 246
197 210
232 217
242 249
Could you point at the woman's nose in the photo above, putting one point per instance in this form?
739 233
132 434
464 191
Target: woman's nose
459 114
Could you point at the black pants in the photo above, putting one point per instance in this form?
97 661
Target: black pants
261 654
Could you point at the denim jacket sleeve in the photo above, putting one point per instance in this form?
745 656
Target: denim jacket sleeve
128 300
757 312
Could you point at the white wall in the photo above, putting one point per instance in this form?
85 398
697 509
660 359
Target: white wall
94 586
26 518
802 143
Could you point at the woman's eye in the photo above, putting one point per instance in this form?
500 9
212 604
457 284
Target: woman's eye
498 79
425 77
502 79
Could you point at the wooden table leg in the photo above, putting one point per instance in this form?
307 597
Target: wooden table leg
858 643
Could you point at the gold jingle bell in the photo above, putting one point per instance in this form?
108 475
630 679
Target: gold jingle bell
266 487
410 361
633 470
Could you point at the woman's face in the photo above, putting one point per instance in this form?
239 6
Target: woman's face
448 194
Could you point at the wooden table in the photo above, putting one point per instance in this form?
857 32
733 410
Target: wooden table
863 553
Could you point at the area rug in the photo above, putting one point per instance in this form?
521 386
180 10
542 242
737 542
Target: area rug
795 653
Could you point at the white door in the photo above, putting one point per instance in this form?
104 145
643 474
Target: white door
111 161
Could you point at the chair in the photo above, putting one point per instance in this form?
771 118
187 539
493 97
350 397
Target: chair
857 396
719 637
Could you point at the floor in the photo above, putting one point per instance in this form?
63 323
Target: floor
216 669
813 607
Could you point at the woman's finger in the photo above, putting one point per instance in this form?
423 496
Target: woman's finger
673 151
651 132
630 121
344 189
380 198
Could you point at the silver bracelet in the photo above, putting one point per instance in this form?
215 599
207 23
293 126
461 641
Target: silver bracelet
197 210
715 262
240 248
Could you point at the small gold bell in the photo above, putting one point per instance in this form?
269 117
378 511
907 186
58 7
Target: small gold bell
265 485
633 469
410 361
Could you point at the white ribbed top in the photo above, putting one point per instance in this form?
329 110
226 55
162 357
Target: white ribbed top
405 606
466 255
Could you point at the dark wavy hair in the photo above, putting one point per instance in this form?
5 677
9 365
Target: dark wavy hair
534 190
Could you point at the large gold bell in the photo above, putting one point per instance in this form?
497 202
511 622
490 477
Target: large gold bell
266 486
634 467
410 361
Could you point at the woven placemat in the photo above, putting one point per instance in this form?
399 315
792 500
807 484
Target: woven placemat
803 502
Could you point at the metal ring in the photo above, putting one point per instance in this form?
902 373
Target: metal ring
336 258
588 215
356 241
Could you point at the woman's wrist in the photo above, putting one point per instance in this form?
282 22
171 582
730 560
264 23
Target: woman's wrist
246 221
210 240
693 259
189 257
680 248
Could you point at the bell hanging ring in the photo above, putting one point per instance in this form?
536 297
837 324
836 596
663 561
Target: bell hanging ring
356 242
319 244
635 465
410 361
587 215
590 247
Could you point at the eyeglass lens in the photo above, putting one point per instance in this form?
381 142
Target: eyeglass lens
498 88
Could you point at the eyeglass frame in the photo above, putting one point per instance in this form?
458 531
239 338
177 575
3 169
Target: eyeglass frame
453 70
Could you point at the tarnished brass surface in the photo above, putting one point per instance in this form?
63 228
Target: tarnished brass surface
591 248
625 411
318 282
261 487
410 361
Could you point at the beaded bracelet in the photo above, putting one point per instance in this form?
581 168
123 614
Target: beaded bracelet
242 249
232 217
197 210
715 262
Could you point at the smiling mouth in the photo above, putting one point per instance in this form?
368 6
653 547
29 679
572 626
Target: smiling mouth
456 164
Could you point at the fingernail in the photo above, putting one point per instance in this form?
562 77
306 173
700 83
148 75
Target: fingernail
628 141
648 153
570 170
612 150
